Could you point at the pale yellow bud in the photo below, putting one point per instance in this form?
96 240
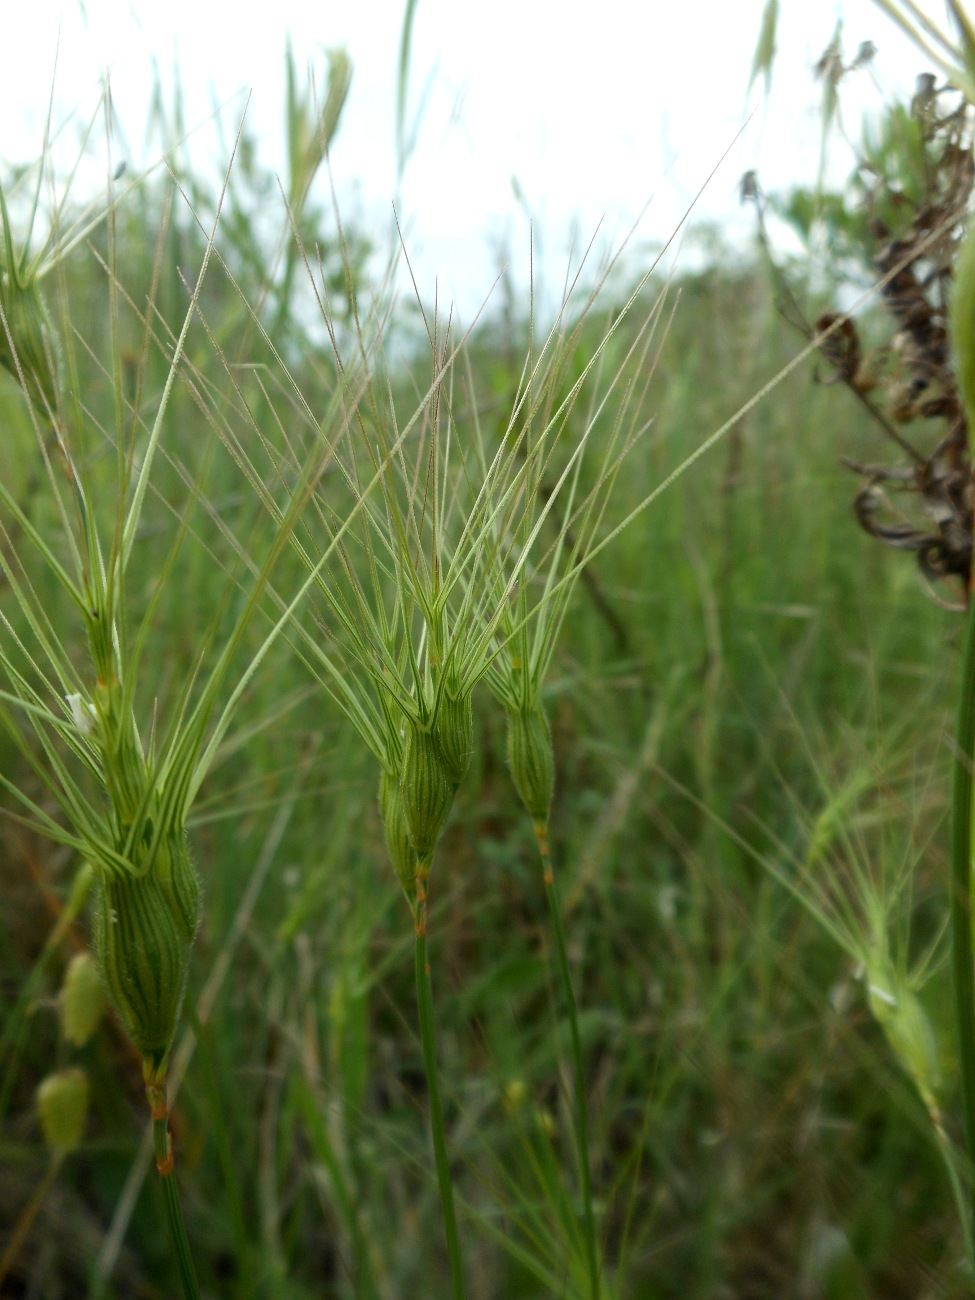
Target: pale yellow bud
62 1105
82 999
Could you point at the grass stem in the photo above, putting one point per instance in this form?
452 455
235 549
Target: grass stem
961 904
163 1151
424 1002
579 1080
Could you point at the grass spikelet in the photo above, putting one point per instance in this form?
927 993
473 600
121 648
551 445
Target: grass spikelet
146 924
454 733
27 347
62 1105
426 789
531 760
82 999
399 845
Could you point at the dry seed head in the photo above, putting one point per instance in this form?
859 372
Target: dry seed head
82 999
531 759
62 1104
398 846
145 929
427 792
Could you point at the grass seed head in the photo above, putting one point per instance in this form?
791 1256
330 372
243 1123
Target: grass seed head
62 1105
514 1095
906 1025
454 733
531 759
26 348
82 999
426 788
398 843
146 924
26 336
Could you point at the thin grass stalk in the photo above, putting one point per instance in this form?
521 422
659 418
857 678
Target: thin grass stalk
165 1166
26 1221
959 1190
424 1006
961 904
579 1111
312 1108
225 1155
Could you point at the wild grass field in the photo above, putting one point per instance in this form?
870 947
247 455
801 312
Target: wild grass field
750 705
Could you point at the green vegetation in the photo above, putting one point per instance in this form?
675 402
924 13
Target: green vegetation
270 540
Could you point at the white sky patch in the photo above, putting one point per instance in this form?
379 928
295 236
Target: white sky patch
570 116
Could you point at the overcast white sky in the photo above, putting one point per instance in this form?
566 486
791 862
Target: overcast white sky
590 109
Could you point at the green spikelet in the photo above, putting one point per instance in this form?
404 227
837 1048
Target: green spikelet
454 733
398 846
145 929
82 999
531 759
907 1028
427 792
62 1105
27 326
28 329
